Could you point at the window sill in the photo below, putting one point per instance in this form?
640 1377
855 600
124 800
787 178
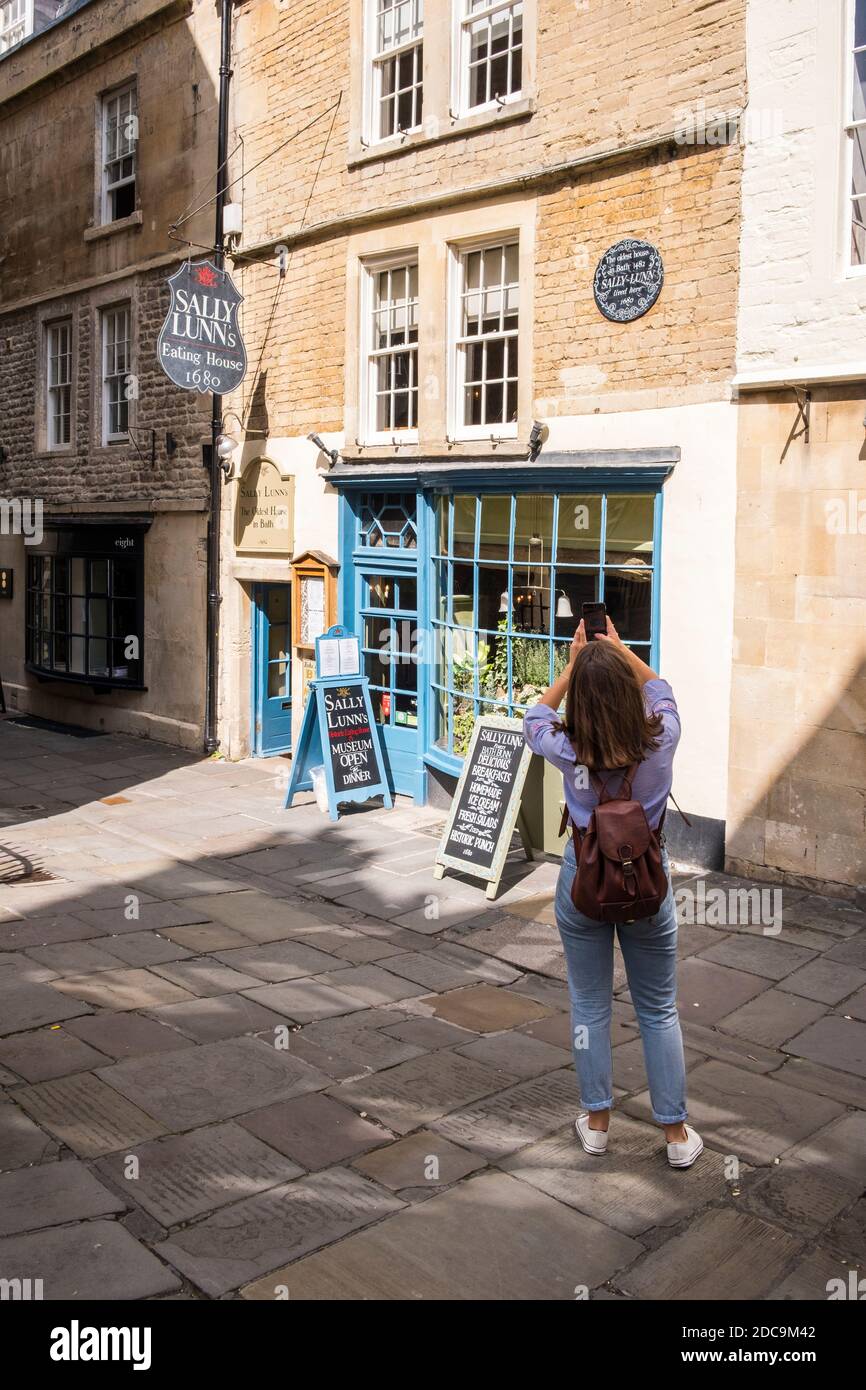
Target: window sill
448 128
99 687
123 224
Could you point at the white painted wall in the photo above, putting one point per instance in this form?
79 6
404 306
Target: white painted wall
697 567
801 308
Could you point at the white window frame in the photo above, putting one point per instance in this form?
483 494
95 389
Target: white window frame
21 26
109 316
850 126
59 374
109 103
373 69
460 342
463 19
370 354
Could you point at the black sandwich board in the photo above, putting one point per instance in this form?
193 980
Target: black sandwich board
486 806
339 734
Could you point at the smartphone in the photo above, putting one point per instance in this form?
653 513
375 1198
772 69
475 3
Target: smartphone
594 620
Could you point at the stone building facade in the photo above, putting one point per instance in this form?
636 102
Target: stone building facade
107 129
798 743
375 205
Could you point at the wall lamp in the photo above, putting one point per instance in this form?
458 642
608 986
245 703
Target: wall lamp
538 436
332 454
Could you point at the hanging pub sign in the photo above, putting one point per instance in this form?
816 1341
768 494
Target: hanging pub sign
486 805
628 280
200 347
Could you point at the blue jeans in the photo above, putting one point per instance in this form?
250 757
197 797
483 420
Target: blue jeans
649 950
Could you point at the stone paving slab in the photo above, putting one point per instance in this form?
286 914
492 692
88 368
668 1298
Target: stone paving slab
423 1160
258 916
76 957
277 961
215 1081
796 1197
429 1033
25 1005
263 1232
514 1117
86 1114
772 1017
315 1131
373 984
305 1000
430 970
463 1244
833 1041
185 1176
21 1141
220 1016
126 1035
824 1081
487 1009
851 952
52 1195
97 1260
154 916
631 1188
145 948
208 936
740 1052
362 1050
44 931
515 1055
417 1092
754 1117
205 977
708 992
122 989
48 1053
813 1277
826 981
724 1255
531 945
761 955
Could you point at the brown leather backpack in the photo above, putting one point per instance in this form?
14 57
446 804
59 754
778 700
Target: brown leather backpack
620 875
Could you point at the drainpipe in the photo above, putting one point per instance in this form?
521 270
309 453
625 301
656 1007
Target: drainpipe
211 742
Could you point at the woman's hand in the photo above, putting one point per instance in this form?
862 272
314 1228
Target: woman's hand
577 643
611 635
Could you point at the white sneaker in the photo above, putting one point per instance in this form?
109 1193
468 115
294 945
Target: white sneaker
683 1155
594 1141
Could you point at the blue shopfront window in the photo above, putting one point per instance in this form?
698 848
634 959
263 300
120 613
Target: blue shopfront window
511 571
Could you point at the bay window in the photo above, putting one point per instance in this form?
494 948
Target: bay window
511 573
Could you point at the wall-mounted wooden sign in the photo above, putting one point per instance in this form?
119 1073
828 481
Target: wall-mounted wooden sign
264 510
200 347
486 805
628 280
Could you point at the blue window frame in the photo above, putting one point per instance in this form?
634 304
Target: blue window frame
511 571
466 596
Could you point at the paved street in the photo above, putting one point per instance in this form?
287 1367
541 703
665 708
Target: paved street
248 1053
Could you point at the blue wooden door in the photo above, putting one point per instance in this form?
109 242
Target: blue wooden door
387 618
272 669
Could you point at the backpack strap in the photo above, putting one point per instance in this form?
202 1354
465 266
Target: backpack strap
624 793
682 813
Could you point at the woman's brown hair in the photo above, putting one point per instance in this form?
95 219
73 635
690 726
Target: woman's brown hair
605 715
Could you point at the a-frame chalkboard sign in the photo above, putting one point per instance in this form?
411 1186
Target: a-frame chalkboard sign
485 809
339 733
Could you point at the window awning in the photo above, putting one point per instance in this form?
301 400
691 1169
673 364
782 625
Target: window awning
568 467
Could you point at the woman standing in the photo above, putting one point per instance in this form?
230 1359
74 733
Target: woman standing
617 712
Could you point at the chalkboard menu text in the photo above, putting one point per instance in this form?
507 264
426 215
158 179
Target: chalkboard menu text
486 804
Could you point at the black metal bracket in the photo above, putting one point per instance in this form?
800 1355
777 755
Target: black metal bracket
804 412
